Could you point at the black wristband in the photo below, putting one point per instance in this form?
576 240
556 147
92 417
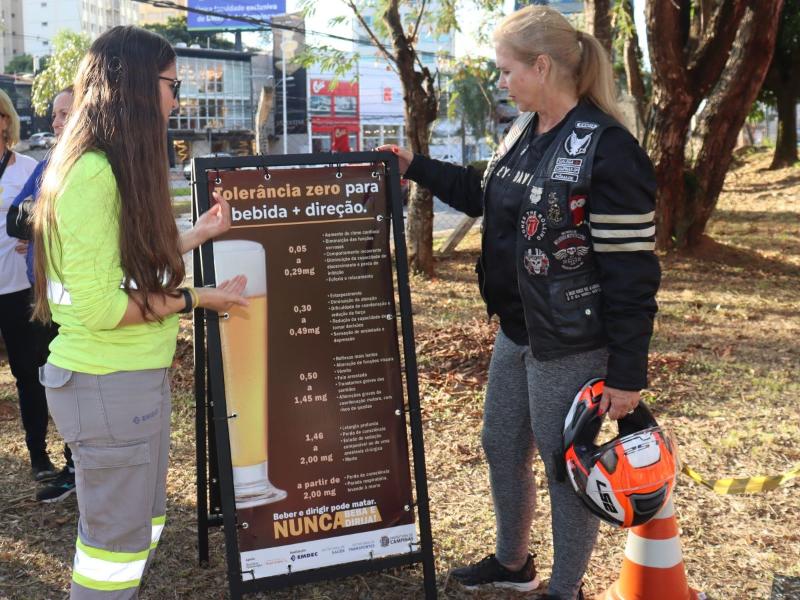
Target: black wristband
187 298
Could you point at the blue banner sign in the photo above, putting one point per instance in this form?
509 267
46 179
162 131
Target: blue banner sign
254 9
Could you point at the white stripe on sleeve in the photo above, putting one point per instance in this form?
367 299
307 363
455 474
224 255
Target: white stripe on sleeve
624 233
626 247
601 218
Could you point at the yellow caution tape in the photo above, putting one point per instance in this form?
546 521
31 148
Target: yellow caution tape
743 485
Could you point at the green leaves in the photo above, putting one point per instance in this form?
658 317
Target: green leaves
474 85
69 48
330 60
22 63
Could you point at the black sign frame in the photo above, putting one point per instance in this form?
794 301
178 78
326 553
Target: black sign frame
215 495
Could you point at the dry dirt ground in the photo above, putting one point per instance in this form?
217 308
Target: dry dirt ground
724 363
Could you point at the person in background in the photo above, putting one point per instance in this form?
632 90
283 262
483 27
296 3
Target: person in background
63 484
108 269
341 140
15 300
568 265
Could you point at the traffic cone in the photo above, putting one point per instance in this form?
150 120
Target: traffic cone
653 564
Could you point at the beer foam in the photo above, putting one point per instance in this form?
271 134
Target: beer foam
242 257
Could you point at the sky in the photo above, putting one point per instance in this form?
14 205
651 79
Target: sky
464 42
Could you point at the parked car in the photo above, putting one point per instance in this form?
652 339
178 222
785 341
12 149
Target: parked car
43 139
187 170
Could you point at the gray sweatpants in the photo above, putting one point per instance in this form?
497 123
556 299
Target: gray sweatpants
118 428
526 403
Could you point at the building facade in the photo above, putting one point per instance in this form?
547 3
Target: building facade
18 88
42 19
381 99
216 105
11 31
155 14
381 93
334 114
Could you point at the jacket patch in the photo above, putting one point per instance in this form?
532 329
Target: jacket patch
585 125
577 207
533 225
575 145
536 262
557 205
567 169
571 250
582 292
536 194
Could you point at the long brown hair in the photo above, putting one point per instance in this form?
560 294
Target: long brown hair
117 111
535 30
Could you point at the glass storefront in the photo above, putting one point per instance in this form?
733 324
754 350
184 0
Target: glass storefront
377 135
320 143
215 94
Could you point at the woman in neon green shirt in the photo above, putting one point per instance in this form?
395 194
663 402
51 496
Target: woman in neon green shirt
108 269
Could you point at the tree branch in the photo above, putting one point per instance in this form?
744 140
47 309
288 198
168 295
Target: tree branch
664 40
633 64
721 120
706 62
405 54
598 17
419 19
389 56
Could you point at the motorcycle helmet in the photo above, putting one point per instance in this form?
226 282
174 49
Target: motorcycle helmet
627 480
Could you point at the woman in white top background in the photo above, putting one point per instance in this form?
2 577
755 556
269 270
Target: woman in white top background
15 299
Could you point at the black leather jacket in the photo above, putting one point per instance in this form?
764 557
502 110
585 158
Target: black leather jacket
586 270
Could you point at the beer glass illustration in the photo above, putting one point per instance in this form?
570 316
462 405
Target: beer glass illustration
244 364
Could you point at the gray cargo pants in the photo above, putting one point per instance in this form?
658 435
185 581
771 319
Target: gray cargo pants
118 428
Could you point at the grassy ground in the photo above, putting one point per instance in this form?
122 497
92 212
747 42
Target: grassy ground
723 378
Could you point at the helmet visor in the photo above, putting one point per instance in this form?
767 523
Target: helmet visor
640 462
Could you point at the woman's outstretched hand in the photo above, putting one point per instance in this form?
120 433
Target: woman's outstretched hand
215 221
225 296
404 156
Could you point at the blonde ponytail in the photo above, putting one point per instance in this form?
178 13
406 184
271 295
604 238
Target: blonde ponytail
535 30
595 78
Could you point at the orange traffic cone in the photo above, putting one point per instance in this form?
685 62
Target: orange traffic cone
653 564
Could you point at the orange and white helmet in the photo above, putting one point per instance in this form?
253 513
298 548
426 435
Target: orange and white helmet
627 480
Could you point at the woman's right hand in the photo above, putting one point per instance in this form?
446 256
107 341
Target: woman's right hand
404 156
225 296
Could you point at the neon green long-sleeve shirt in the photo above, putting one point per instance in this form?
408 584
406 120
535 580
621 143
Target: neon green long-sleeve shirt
85 297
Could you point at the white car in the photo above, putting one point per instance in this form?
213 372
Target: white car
43 139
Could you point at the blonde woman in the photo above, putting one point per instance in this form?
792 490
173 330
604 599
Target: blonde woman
15 299
567 265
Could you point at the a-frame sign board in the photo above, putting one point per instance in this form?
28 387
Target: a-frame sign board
305 403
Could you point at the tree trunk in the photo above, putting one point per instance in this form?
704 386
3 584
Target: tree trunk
419 223
598 21
668 129
685 70
786 144
633 67
726 111
421 104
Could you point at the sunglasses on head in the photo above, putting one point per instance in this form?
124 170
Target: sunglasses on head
176 85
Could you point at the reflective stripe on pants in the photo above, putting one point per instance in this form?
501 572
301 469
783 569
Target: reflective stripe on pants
104 570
